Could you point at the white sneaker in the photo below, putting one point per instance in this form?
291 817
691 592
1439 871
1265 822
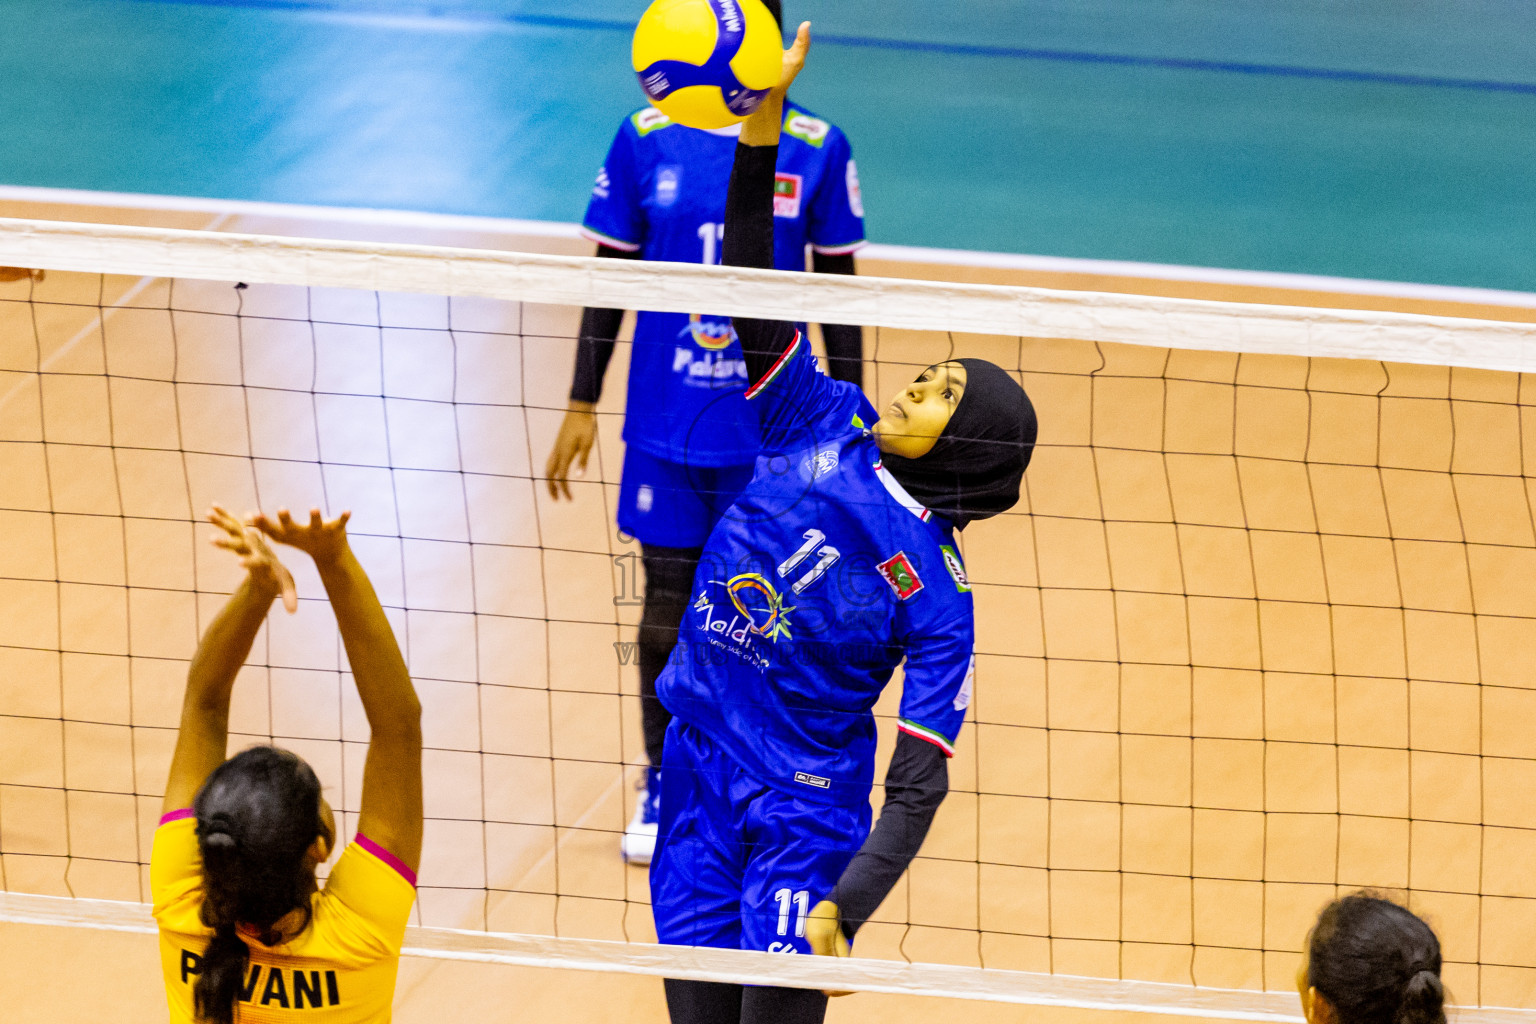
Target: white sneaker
639 841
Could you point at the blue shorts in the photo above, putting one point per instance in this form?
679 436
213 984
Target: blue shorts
739 864
672 505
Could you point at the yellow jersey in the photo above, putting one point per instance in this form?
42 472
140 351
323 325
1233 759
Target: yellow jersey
339 970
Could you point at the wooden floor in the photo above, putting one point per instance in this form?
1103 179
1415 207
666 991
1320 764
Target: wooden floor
1258 634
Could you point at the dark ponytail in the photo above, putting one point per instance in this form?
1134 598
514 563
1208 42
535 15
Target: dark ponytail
1423 1000
257 816
1376 962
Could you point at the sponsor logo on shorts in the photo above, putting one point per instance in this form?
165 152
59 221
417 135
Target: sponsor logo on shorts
956 568
786 194
813 780
900 574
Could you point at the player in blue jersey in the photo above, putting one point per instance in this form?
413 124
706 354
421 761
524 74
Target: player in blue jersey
690 437
836 564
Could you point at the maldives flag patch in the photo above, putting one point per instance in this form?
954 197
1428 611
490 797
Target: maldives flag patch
786 194
898 572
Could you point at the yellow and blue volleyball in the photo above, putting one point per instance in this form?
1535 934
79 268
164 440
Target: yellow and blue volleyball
707 63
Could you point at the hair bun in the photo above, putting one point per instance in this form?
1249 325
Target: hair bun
217 832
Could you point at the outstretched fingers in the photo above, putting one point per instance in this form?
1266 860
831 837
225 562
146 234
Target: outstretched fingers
794 57
244 539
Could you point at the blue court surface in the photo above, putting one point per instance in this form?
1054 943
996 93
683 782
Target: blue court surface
1390 139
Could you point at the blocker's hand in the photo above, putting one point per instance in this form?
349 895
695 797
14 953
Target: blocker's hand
20 274
824 931
267 573
322 540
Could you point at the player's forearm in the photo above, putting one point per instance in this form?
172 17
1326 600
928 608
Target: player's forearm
748 240
845 342
594 349
223 649
594 340
845 352
915 786
749 243
383 682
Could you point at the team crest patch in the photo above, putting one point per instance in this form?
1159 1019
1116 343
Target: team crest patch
898 572
956 568
786 194
667 179
822 463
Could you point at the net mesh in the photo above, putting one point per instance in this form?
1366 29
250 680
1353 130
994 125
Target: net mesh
1259 632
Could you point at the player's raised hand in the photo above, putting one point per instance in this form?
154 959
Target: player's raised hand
824 931
321 539
572 444
762 128
266 572
794 58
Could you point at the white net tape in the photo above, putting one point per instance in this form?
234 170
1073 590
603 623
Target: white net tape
700 964
676 287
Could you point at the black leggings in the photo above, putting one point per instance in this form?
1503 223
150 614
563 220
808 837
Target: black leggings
709 1002
668 584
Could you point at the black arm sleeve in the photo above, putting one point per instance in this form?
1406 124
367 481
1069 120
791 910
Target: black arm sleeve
845 342
749 243
594 345
915 785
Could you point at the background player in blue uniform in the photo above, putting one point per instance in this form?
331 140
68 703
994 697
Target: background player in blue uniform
690 437
836 564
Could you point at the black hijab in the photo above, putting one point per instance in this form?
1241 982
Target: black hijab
975 468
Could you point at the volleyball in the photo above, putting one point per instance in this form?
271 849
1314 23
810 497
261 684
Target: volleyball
707 63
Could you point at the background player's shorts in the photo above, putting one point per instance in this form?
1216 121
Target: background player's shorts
739 864
672 505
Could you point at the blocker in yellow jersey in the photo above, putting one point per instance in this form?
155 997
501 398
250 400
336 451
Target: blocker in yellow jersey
339 970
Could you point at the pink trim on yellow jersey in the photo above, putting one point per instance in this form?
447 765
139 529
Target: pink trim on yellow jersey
387 857
170 816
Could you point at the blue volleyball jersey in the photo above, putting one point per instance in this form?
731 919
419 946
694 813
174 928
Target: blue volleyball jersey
661 192
813 587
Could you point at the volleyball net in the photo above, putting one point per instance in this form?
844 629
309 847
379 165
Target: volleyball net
1258 634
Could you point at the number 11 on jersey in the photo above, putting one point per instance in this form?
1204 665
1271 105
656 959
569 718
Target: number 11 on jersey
712 235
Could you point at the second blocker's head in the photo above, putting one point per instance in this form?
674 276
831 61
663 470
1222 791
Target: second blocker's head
1371 961
262 828
959 438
